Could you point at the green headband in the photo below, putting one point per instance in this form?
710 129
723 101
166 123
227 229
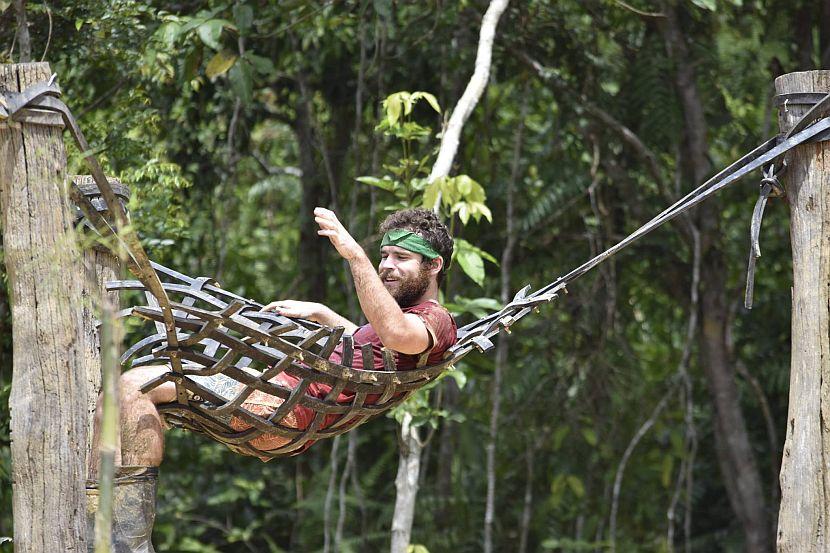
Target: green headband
409 241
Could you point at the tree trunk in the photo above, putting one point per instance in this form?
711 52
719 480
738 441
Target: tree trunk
24 41
803 18
406 484
475 88
527 503
311 256
327 533
737 463
48 400
502 353
824 34
805 478
448 437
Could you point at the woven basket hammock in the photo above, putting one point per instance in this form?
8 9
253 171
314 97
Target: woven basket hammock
220 332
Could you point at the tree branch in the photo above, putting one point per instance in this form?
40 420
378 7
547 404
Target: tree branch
644 428
474 90
639 12
23 38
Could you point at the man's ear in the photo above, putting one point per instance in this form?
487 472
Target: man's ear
436 265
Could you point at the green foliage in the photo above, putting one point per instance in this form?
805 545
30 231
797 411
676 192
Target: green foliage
407 179
477 307
471 259
459 195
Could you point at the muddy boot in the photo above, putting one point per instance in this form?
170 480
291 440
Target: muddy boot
133 510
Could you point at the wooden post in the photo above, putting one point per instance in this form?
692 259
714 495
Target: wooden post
805 469
100 266
48 400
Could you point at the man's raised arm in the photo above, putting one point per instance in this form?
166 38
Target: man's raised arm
404 333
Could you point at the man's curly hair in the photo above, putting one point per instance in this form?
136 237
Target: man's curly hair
428 226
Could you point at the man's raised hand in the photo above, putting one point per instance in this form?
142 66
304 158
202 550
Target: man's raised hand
330 226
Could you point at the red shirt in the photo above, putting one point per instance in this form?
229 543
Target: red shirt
442 331
436 318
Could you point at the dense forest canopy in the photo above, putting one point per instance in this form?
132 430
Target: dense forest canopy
619 425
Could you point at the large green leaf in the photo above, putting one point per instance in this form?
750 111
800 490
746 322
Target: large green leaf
243 15
385 183
393 105
210 31
470 260
220 63
242 81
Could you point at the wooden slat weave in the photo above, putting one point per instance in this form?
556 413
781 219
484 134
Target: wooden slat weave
221 332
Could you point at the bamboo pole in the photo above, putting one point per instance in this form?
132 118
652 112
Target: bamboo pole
805 468
110 339
48 397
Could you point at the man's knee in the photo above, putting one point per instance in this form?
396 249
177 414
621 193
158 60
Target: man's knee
133 379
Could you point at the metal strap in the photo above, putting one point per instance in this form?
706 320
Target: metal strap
770 185
798 99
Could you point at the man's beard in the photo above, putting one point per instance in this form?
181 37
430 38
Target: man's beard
409 289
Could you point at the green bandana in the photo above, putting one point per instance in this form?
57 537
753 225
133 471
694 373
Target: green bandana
409 241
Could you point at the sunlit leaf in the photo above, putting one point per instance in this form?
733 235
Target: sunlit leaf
472 265
167 33
407 100
384 183
459 376
393 108
710 5
576 485
220 63
431 195
429 98
463 212
590 436
464 184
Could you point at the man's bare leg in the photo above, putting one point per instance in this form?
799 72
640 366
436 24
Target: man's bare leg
141 440
138 454
142 431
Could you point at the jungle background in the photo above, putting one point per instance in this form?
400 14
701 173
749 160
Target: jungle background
643 411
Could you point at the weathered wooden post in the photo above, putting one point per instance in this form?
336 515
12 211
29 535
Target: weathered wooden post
48 400
805 469
100 266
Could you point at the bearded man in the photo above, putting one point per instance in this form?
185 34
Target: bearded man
400 302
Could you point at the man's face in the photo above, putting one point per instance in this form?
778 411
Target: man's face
403 274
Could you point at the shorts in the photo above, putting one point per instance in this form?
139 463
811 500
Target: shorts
261 404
